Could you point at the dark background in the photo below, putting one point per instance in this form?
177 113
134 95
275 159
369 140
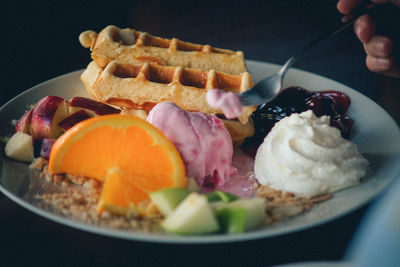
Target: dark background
39 41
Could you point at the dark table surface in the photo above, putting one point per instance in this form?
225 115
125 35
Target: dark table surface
40 41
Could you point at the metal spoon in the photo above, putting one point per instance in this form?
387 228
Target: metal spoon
269 87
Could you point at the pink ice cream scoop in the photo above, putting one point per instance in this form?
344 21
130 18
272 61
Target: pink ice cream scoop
202 140
228 102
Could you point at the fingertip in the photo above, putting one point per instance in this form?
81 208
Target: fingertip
364 28
389 68
345 6
341 7
379 64
379 46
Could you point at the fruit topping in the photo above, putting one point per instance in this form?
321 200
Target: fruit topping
20 147
167 199
45 147
193 216
23 123
296 100
218 195
73 119
46 115
131 156
90 105
118 195
240 215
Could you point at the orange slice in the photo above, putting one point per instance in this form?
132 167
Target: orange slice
118 195
128 154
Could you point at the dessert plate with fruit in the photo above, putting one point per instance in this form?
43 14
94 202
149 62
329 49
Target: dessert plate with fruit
184 216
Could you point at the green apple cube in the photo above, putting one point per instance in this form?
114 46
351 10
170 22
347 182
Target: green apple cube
221 196
193 216
232 219
167 199
230 214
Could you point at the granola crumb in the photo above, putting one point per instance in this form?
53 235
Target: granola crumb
46 174
38 164
81 205
79 197
77 179
90 183
41 164
58 179
285 205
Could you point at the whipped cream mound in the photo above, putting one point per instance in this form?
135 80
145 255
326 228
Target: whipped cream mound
304 155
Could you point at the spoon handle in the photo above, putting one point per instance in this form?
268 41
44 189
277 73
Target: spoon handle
362 8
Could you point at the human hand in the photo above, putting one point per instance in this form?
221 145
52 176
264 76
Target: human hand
379 48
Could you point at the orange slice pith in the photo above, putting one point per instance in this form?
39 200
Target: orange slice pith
128 154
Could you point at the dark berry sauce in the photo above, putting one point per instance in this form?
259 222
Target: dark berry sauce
296 100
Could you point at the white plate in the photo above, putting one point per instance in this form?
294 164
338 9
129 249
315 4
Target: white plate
375 132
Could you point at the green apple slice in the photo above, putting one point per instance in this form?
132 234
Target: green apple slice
167 199
232 219
193 216
221 196
230 214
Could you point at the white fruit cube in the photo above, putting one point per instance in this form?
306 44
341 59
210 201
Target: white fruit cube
20 147
193 216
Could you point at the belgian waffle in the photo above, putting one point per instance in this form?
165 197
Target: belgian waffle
125 45
142 86
89 76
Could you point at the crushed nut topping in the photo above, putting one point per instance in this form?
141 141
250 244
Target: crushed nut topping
79 197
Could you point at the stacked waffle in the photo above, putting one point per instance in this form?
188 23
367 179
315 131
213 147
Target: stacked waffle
136 71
